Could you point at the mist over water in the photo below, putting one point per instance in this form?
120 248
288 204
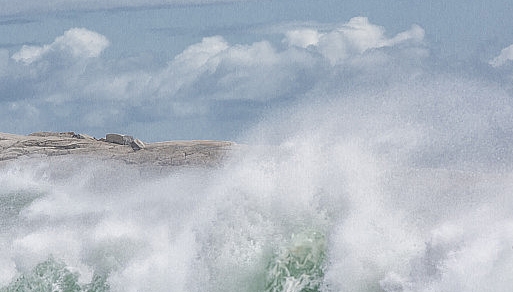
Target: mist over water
387 175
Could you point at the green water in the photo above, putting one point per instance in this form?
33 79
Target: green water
299 267
54 276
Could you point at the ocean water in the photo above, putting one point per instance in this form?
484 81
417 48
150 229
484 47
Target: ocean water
408 188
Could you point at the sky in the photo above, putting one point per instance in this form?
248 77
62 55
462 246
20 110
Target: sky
193 69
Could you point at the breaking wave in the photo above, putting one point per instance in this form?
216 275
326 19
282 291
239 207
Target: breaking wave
401 186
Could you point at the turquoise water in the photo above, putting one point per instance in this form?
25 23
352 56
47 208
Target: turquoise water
53 275
299 266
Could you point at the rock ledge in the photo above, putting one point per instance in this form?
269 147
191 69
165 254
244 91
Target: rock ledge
114 146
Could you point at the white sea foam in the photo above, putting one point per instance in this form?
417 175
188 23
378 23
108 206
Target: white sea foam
397 212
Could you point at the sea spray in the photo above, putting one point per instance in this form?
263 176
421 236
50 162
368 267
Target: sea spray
12 203
408 188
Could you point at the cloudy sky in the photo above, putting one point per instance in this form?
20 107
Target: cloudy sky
208 69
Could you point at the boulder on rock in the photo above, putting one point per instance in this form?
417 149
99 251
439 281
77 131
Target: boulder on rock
119 139
137 144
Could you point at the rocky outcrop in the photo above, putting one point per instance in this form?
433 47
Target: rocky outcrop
114 146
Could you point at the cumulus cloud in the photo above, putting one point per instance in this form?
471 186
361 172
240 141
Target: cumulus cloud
216 70
354 37
415 34
504 57
78 42
186 67
302 38
222 87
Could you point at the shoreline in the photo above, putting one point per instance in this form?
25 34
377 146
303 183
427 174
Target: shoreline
166 153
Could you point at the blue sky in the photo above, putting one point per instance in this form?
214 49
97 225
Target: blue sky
163 70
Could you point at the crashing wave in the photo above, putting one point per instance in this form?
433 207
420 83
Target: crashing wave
298 268
54 276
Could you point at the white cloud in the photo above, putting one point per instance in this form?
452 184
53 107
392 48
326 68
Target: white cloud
255 72
362 35
219 84
352 38
359 36
186 67
302 38
505 56
216 70
29 54
82 43
78 42
415 34
197 55
259 53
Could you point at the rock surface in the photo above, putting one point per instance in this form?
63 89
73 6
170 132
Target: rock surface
137 144
171 153
119 139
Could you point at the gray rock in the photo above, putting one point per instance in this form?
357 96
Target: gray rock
84 136
119 139
169 153
54 134
137 144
